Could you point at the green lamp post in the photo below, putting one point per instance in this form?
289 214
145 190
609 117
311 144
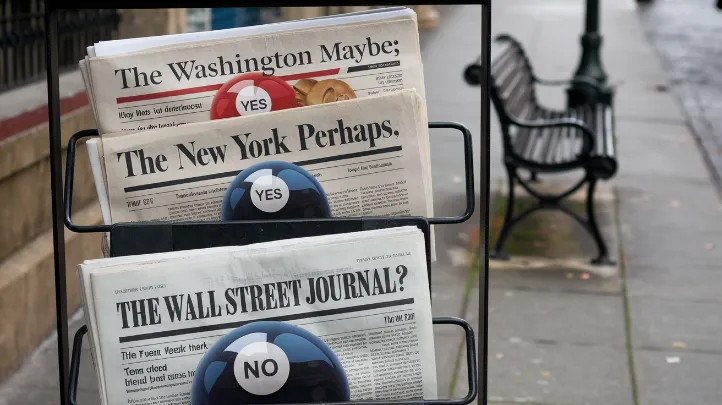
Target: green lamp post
590 64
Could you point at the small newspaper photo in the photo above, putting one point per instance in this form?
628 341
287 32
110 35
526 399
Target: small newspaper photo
154 320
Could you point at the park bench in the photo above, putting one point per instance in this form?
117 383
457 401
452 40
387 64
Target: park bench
543 140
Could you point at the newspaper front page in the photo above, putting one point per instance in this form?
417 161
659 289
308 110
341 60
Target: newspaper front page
367 154
115 47
176 84
366 295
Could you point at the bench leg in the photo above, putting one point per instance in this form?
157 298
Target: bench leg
603 255
533 177
508 219
551 202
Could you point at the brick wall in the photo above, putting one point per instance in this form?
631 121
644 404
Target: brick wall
27 291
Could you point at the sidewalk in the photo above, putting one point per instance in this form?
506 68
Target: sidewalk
692 59
648 335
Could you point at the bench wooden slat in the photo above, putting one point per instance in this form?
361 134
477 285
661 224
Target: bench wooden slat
513 80
551 143
609 149
567 133
523 136
533 139
519 103
502 56
537 141
522 140
505 73
599 144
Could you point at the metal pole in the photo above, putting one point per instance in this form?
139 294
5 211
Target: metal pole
485 179
56 190
590 64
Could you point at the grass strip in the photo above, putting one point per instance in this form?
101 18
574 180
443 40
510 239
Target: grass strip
625 303
471 275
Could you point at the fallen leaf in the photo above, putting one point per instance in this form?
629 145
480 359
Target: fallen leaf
500 355
546 373
675 204
570 275
584 276
709 246
673 360
679 345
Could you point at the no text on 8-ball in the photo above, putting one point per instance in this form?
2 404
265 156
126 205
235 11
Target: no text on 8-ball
269 362
274 190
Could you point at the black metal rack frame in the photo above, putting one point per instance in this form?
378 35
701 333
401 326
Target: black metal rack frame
133 238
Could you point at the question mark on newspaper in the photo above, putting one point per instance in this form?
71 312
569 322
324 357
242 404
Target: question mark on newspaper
401 269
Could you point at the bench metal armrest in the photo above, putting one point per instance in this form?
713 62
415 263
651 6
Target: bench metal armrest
575 80
589 136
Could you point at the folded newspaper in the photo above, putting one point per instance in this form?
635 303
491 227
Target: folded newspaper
152 318
366 153
147 83
163 102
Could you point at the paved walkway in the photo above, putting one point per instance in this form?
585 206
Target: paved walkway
686 35
650 334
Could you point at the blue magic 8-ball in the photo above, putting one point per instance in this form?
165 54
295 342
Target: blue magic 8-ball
269 362
274 190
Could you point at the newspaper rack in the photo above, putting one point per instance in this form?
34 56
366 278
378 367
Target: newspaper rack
156 237
142 238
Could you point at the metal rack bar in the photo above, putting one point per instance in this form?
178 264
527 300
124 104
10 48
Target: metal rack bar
485 60
470 370
468 169
56 184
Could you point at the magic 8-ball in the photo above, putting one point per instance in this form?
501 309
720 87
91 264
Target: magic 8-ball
269 362
274 190
252 93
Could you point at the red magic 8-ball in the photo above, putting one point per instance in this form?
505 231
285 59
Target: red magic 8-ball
252 93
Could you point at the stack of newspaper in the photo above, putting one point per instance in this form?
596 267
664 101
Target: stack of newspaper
346 103
152 317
